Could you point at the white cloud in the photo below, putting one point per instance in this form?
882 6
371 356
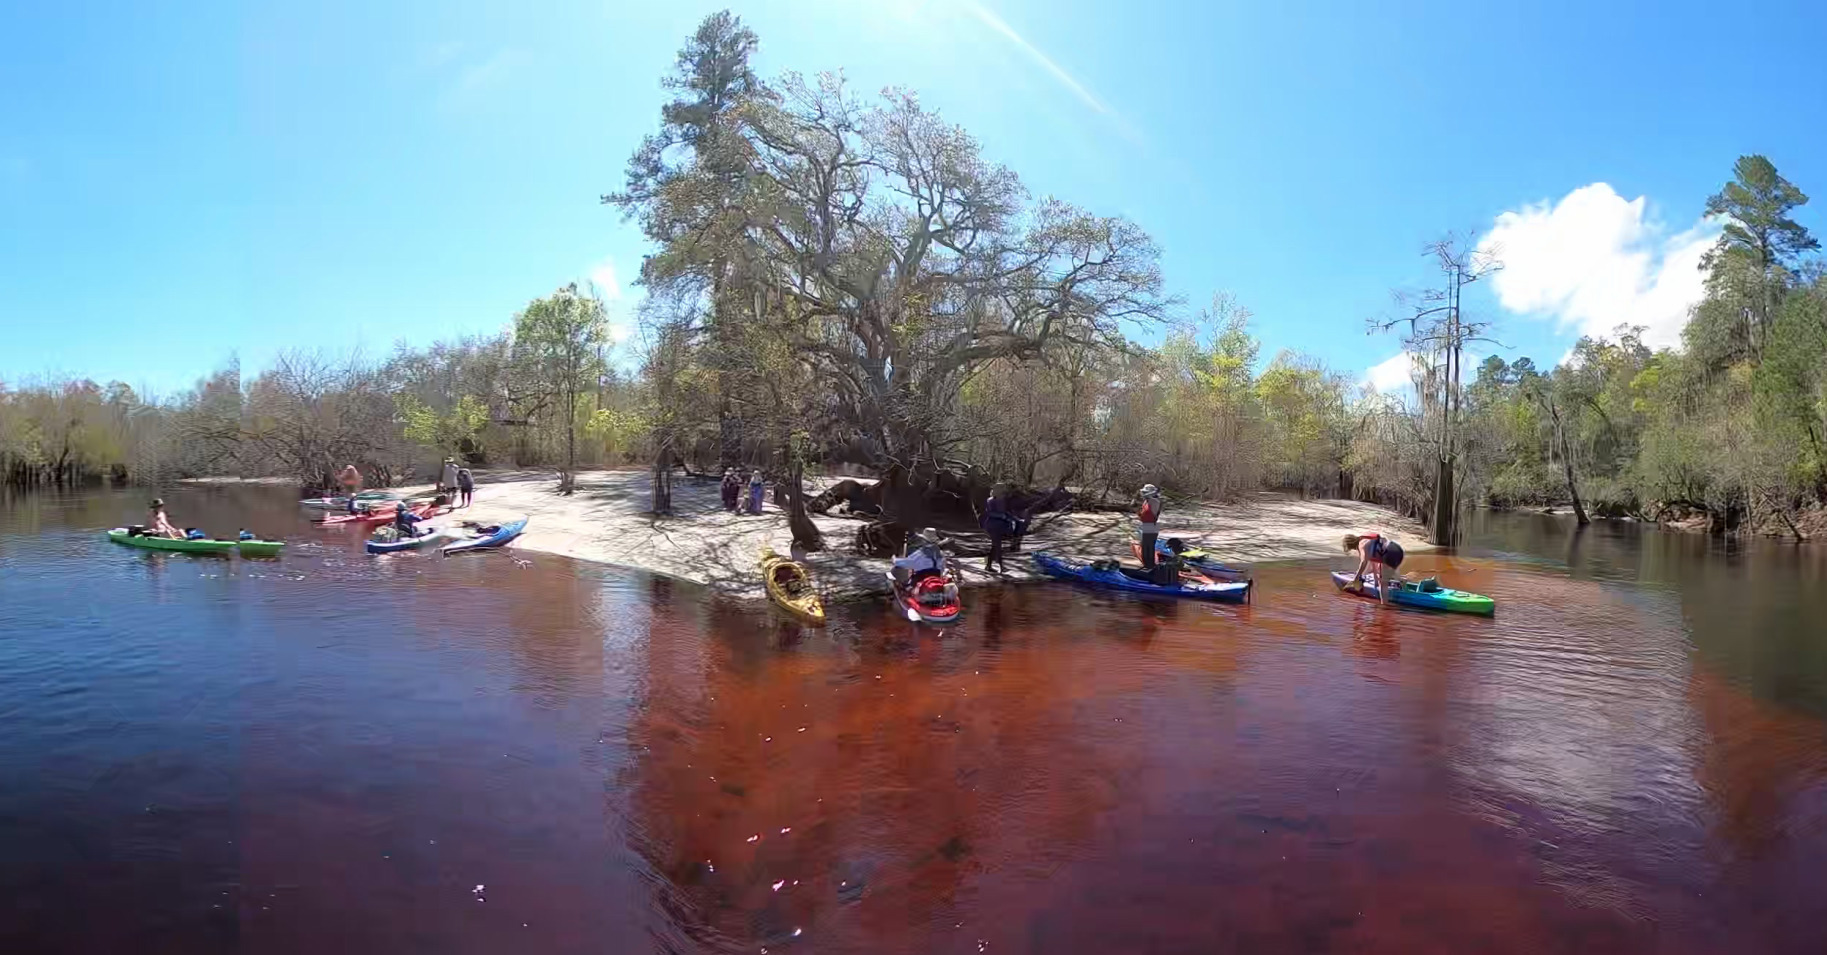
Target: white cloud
602 275
1392 374
620 332
1594 261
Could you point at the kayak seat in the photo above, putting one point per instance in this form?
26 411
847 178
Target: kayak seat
789 580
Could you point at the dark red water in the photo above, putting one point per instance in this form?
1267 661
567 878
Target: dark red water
329 752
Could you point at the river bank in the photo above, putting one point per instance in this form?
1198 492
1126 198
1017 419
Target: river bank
606 521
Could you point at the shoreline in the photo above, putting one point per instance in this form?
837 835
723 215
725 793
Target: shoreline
605 522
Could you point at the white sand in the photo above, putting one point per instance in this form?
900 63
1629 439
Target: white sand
606 521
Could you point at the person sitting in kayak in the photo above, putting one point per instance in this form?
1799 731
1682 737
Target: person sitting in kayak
923 559
1379 554
159 525
405 521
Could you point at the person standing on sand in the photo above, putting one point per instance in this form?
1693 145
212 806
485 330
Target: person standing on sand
447 478
1148 523
731 489
999 523
466 487
757 489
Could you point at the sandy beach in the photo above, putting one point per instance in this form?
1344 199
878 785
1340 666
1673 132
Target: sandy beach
606 521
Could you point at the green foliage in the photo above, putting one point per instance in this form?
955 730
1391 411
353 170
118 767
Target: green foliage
1756 206
457 430
1732 426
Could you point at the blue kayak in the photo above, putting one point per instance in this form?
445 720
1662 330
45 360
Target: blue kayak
1125 579
489 537
1423 594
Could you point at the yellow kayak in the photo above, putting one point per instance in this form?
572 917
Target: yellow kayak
790 586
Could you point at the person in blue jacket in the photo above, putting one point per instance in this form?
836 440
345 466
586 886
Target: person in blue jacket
405 521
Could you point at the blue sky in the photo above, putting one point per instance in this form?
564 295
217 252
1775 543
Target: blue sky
179 185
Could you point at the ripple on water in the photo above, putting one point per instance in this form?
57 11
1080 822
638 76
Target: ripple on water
360 744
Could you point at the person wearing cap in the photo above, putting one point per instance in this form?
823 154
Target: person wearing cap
1148 523
447 479
159 525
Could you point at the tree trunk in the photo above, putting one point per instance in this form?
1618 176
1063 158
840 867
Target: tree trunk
571 429
1444 501
662 479
806 535
1573 491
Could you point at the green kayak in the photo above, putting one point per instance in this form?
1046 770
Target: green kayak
120 535
259 548
1427 595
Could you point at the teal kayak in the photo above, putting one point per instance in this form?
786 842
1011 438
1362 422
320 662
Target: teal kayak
121 535
1129 580
1420 594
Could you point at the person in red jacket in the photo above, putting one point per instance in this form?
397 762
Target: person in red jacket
1148 523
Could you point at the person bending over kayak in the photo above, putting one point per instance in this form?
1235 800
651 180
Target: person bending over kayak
1148 523
158 525
1378 554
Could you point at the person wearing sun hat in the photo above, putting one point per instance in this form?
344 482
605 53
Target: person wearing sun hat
158 525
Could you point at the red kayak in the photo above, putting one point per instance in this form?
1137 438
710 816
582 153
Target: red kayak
930 599
375 517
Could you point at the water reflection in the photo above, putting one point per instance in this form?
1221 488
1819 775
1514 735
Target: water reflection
332 752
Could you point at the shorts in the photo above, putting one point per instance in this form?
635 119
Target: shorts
1390 554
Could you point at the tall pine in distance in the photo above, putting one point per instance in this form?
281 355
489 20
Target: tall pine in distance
1757 249
683 183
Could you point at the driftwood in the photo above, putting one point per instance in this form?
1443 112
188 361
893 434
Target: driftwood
946 500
